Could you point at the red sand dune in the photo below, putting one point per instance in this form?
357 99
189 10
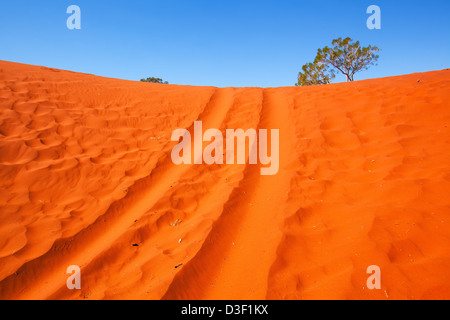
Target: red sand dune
86 173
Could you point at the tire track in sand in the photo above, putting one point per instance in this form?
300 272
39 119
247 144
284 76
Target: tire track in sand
250 219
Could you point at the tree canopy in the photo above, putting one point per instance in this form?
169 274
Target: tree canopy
154 80
346 56
315 73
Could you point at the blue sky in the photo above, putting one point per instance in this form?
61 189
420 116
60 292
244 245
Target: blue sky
220 42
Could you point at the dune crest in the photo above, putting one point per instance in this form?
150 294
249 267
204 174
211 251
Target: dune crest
86 178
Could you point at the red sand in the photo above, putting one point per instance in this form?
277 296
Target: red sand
85 173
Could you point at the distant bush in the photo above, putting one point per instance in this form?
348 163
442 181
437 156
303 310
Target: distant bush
154 80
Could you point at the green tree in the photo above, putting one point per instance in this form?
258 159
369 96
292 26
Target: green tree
313 74
154 80
346 56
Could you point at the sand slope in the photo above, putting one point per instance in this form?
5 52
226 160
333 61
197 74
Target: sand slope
86 178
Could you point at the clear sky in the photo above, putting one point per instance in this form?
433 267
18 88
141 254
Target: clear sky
221 43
